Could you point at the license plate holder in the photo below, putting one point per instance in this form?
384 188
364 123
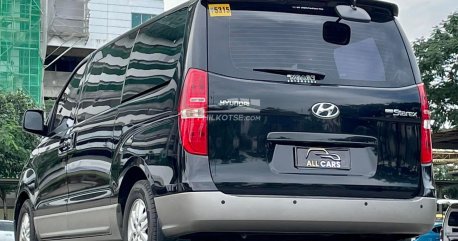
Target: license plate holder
322 158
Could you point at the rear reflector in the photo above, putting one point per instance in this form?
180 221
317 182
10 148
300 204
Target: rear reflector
193 112
426 145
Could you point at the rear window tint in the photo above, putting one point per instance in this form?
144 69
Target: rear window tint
288 38
453 219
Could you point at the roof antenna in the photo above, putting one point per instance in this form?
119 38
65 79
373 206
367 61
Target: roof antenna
353 4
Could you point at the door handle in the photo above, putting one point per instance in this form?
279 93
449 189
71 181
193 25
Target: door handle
67 143
64 146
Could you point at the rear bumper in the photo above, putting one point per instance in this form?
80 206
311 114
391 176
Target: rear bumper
210 212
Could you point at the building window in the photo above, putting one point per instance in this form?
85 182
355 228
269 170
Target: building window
139 18
63 64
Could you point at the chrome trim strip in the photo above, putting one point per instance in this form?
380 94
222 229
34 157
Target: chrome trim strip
102 221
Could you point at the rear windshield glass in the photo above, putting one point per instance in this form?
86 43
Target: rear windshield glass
453 219
6 226
290 37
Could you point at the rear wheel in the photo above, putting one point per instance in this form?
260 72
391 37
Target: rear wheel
140 222
25 225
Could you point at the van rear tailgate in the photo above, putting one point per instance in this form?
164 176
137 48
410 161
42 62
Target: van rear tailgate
291 114
255 149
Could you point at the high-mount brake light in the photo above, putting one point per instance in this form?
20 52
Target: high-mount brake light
193 112
425 129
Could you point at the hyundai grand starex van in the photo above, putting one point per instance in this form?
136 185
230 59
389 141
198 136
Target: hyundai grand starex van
243 118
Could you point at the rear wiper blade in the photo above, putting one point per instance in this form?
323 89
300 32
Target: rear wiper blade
290 71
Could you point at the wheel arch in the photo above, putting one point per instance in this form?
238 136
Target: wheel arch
26 191
21 198
134 171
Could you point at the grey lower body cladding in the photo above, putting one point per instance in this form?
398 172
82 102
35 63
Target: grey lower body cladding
195 212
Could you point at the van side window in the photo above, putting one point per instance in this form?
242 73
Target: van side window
453 219
66 105
103 88
156 54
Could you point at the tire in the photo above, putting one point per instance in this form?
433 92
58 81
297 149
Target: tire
25 214
141 197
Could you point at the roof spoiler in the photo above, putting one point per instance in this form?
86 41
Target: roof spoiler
393 8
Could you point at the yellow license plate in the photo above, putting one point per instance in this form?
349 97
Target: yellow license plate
219 10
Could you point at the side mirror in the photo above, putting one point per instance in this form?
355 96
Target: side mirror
336 33
33 122
353 13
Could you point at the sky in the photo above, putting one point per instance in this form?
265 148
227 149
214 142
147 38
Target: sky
418 17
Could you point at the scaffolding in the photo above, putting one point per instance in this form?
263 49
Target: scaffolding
445 157
21 65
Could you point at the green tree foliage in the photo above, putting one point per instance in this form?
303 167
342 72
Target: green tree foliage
15 144
445 172
438 61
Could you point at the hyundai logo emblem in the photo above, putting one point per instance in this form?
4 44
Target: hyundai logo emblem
325 110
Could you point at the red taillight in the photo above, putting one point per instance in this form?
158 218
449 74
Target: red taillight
193 112
426 145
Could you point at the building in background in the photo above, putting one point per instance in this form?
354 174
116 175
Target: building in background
20 53
42 41
77 27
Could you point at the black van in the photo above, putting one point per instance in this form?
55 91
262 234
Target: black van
244 117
